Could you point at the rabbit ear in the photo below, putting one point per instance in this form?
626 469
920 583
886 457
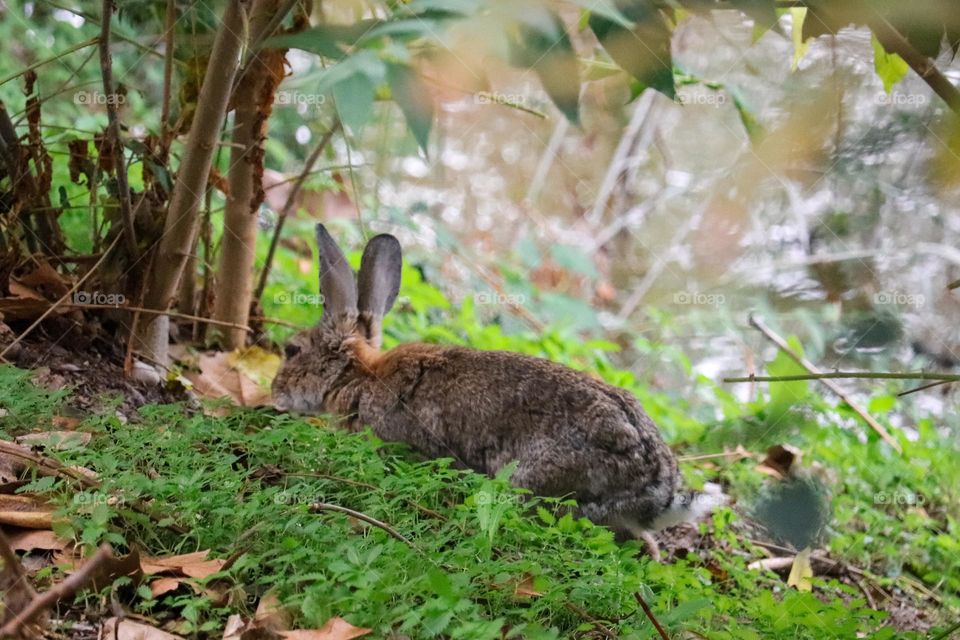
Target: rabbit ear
379 282
336 277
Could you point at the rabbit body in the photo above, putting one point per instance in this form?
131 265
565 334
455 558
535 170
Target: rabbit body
571 435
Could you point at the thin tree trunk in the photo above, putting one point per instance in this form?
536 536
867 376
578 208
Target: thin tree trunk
254 102
180 226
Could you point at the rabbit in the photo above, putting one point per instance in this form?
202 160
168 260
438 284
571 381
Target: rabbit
570 434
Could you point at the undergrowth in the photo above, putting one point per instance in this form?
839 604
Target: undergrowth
480 559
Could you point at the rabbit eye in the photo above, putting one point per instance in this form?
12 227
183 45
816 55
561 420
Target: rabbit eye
291 350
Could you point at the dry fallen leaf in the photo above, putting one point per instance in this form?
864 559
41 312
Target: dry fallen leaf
801 572
56 440
218 378
524 588
25 512
193 565
30 539
334 629
271 614
164 585
117 629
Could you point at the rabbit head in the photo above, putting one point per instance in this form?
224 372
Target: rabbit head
324 359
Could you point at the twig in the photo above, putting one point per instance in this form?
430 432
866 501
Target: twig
832 375
649 612
923 388
367 485
35 65
68 587
894 42
113 130
11 561
830 384
583 613
63 299
172 314
323 506
709 456
289 204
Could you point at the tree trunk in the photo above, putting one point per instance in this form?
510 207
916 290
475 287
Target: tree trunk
254 102
180 227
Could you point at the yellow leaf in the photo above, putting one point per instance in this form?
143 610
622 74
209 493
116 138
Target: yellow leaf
801 572
257 364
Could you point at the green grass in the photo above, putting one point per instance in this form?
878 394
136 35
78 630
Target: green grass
243 484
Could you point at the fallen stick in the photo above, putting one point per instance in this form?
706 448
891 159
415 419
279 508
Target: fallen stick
45 600
323 506
830 384
649 612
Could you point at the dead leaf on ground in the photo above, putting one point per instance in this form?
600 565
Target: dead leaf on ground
192 565
25 512
164 585
779 460
271 614
334 629
33 539
219 378
801 572
21 309
114 567
117 629
525 588
56 440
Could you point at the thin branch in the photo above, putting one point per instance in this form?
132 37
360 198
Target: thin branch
288 206
830 384
172 314
323 506
113 130
649 612
894 42
47 599
11 561
54 58
833 375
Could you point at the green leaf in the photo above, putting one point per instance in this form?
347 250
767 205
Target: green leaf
890 67
800 45
414 98
643 51
540 42
331 41
354 96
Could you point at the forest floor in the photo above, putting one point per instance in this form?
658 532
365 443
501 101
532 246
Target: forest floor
232 522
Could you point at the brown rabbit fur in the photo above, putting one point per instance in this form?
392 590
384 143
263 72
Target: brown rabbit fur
571 435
